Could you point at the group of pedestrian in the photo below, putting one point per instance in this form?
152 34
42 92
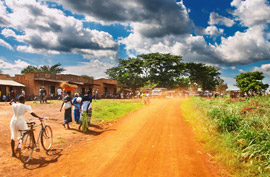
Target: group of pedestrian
82 110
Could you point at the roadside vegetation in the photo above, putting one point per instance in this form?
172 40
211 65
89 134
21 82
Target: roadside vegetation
105 111
235 131
109 111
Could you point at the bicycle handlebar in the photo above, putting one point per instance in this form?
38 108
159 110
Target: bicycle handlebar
46 118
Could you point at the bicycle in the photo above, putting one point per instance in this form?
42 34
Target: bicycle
27 142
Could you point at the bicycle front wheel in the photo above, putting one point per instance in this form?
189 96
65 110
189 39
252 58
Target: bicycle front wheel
27 147
47 138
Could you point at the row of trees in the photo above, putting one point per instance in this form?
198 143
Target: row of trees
164 70
55 69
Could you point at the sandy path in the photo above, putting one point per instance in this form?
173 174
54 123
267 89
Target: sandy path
154 141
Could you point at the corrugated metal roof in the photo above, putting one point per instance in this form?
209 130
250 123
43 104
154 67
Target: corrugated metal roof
11 83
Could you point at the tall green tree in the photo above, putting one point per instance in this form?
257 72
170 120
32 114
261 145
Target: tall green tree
163 69
1 72
128 72
55 69
251 82
29 69
202 76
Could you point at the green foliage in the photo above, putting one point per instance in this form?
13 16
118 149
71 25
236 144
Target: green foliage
243 126
91 77
1 72
55 69
251 81
203 76
148 85
128 72
30 69
164 70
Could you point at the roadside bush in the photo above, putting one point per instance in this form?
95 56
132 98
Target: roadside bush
243 125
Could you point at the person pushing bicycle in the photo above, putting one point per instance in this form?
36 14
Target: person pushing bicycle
18 120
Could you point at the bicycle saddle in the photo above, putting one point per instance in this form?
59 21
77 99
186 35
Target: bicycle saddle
30 123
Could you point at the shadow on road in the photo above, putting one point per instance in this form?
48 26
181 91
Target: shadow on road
93 132
52 156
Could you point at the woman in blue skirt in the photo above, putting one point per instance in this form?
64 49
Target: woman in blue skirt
76 107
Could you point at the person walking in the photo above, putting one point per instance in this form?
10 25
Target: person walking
76 107
59 93
67 104
18 120
23 92
12 96
86 111
44 95
41 95
96 96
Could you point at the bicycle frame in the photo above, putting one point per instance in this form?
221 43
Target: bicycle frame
32 132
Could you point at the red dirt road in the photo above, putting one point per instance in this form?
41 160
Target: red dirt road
154 141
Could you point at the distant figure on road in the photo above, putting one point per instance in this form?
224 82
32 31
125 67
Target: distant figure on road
59 93
23 92
96 96
12 96
67 104
143 95
76 108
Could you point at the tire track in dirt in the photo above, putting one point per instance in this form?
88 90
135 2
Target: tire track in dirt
154 141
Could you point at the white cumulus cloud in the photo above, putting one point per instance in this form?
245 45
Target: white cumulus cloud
93 68
252 12
5 44
265 68
49 30
216 19
12 68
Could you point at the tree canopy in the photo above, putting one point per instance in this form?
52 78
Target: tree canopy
91 77
128 72
251 82
163 70
55 69
202 76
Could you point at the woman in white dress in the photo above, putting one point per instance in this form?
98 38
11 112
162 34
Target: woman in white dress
18 120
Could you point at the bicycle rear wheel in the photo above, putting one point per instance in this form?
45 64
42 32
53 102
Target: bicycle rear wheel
27 147
47 138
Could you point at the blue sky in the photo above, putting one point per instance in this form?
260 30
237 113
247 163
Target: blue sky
87 37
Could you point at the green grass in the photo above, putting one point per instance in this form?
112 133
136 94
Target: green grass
109 111
237 131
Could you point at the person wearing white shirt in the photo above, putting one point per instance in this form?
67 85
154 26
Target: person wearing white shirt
18 120
59 93
23 92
